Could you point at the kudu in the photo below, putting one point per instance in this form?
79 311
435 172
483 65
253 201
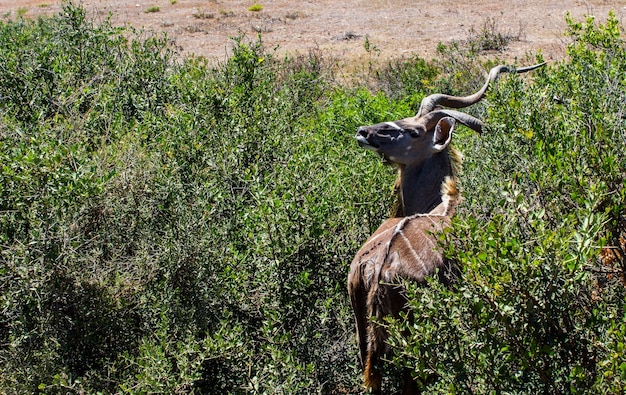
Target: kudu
406 245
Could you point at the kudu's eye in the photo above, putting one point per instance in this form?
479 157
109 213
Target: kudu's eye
414 133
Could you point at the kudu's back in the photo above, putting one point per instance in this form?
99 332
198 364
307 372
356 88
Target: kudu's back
402 248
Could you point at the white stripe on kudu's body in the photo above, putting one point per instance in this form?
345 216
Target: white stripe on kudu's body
406 245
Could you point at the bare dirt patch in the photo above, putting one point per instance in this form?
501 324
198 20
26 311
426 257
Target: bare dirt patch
339 28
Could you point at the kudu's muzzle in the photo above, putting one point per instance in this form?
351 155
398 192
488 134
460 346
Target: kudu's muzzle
363 137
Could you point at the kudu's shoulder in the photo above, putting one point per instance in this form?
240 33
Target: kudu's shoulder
406 246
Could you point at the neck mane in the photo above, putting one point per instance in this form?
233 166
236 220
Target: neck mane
421 189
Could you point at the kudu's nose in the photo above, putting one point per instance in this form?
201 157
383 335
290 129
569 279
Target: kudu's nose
362 136
362 133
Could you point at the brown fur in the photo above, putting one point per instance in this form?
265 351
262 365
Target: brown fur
406 245
456 163
401 248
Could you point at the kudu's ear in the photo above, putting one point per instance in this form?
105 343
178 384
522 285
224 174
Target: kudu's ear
443 133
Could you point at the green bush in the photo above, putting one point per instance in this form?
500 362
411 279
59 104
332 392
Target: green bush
173 226
535 309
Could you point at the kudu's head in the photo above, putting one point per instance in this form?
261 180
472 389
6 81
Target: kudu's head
418 144
409 141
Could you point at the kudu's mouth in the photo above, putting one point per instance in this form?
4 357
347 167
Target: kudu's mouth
361 138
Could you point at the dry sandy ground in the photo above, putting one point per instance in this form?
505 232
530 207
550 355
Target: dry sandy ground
395 27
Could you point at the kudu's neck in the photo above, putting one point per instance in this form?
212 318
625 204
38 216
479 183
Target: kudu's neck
419 189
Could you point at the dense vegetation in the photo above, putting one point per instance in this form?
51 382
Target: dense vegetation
173 226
